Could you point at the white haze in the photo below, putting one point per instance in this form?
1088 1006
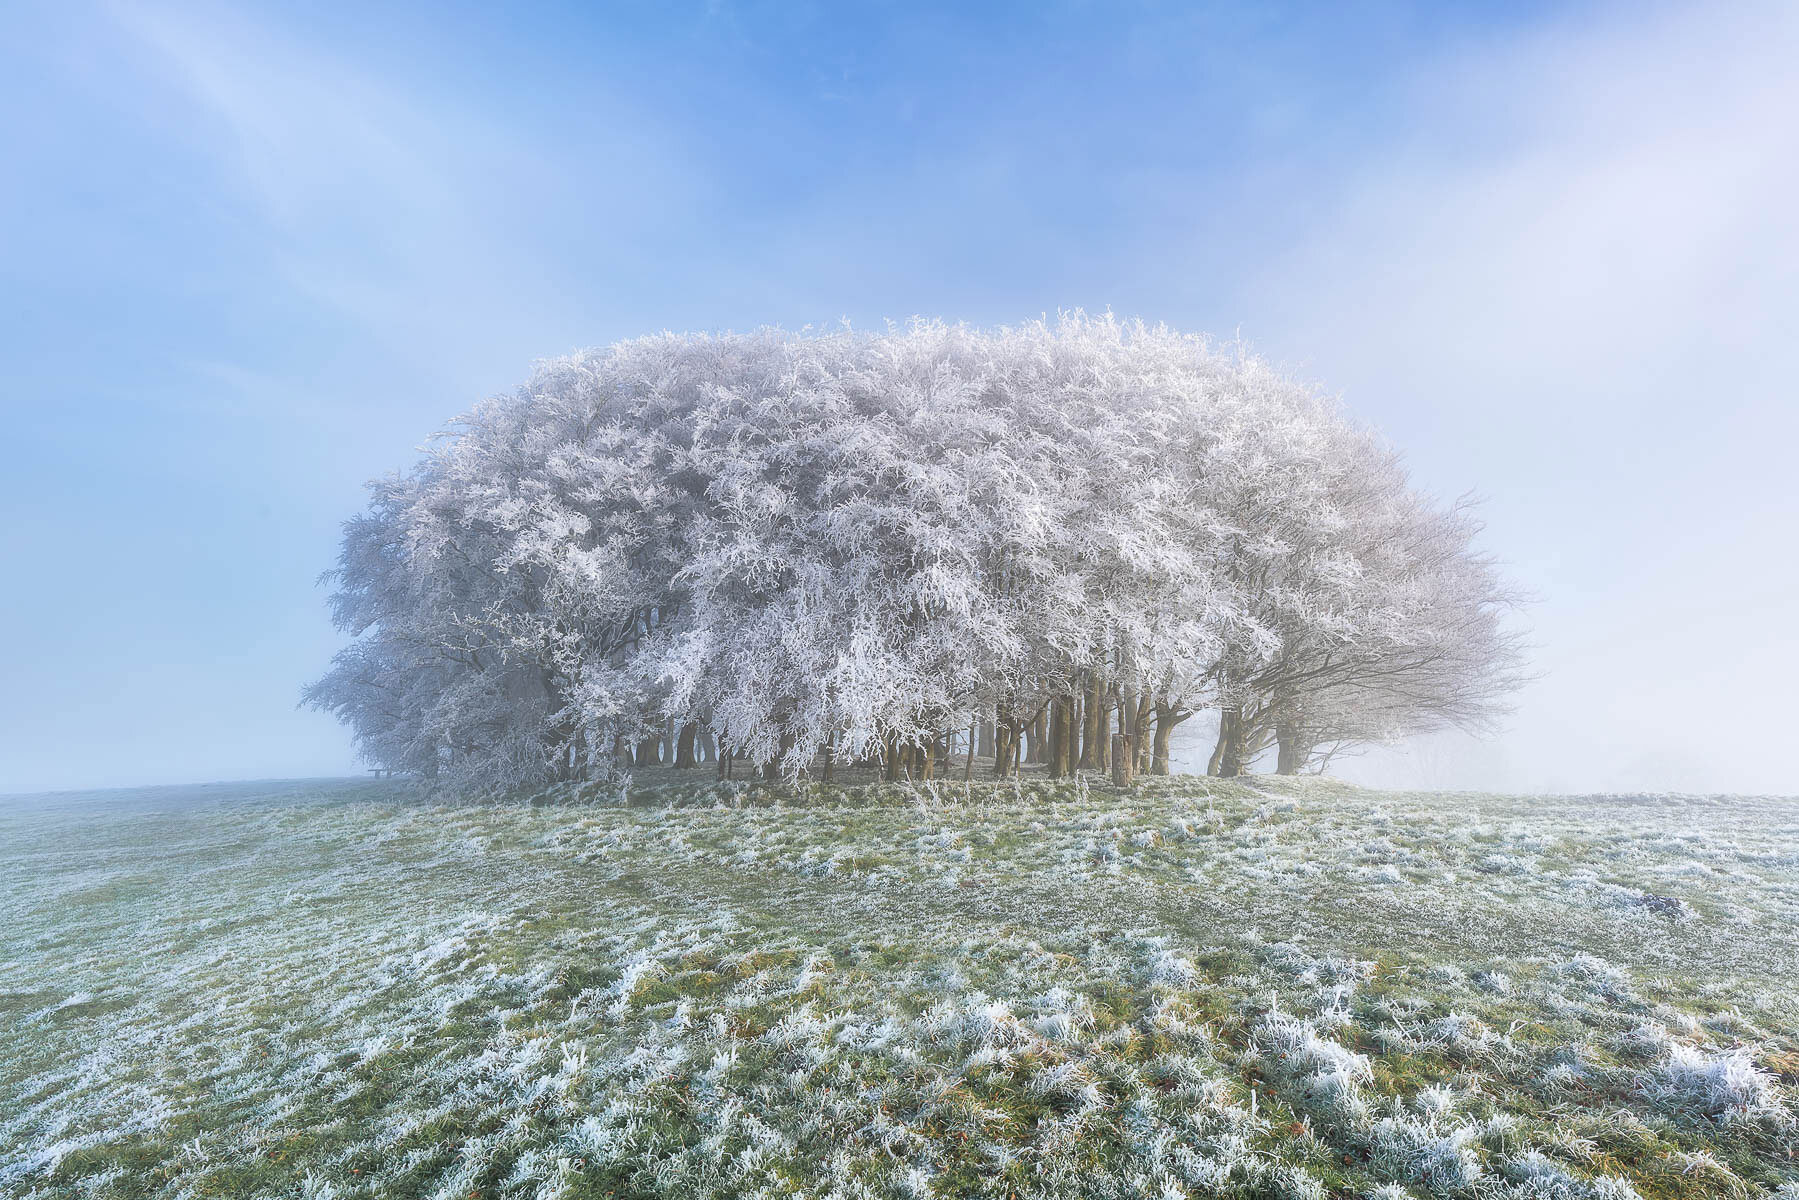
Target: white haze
1585 310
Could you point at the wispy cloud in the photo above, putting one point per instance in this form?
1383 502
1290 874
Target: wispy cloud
414 215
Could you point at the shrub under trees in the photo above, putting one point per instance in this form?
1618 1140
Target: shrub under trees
1056 541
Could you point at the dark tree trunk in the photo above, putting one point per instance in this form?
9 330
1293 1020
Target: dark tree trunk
890 757
1002 749
1102 729
1294 751
974 733
1090 725
824 770
684 756
1071 734
1166 719
1140 730
649 752
1232 735
1124 759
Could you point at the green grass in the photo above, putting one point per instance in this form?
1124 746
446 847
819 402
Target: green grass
1261 988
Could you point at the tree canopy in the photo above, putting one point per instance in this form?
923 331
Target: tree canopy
853 544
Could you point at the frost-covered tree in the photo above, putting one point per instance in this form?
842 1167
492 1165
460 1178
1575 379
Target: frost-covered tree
856 546
1366 614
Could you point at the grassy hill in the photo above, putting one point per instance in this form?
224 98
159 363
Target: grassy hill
1273 987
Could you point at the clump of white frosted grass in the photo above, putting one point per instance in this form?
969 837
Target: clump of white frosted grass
1536 1176
639 967
1299 1050
1063 1016
1287 1182
1389 1191
1499 1131
1457 1033
1496 983
1319 1072
1420 1152
1564 1076
1645 1040
1725 1086
314 1187
1173 970
1304 967
1434 1101
1604 979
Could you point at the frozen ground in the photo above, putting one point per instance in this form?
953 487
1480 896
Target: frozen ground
1281 988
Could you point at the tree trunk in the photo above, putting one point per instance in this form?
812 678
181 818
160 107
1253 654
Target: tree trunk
890 757
1124 759
974 733
987 738
1166 720
684 756
1088 714
1228 754
1002 749
1071 733
1140 730
1040 737
1099 725
1293 752
824 771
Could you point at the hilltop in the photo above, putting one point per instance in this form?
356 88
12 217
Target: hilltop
1279 987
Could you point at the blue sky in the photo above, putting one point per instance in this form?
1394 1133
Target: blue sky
253 257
